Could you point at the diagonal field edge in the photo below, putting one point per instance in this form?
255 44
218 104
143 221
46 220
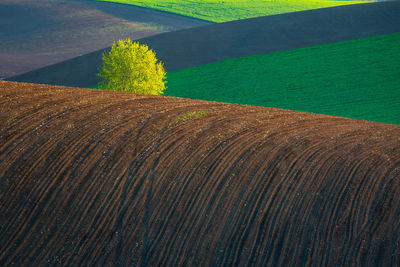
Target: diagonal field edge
61 30
216 42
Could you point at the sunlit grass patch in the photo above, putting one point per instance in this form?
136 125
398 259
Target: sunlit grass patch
228 10
357 79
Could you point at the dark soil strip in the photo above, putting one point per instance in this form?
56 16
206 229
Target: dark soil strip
197 46
35 34
93 177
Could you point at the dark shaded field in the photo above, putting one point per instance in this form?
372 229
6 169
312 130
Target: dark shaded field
34 34
211 43
91 177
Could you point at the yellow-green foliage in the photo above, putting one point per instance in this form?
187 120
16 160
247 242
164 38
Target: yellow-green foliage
132 67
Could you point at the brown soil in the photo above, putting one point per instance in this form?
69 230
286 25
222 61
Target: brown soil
90 177
211 43
35 34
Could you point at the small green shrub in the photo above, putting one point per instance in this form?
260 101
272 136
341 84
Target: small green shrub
132 67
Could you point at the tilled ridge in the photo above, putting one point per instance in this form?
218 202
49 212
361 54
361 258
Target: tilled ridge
91 177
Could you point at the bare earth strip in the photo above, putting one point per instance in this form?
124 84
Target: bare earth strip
35 34
211 43
92 178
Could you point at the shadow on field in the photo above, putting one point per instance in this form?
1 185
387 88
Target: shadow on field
211 43
35 34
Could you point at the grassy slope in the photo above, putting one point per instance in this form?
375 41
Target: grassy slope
227 10
357 79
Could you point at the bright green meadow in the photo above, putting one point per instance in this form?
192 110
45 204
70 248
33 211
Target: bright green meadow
228 10
357 79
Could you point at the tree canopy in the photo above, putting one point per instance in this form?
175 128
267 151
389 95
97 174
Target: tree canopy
132 67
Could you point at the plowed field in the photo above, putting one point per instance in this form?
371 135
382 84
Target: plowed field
90 177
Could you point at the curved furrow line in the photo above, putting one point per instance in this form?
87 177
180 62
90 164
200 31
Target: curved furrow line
41 121
177 139
330 200
24 216
150 206
298 199
289 201
351 232
163 141
228 204
329 223
243 200
242 234
39 151
243 244
377 210
204 142
45 189
148 185
303 202
278 195
356 251
229 172
20 119
104 206
335 221
28 132
184 179
251 205
204 161
341 226
329 226
261 203
279 170
95 197
394 238
39 146
274 172
210 208
306 165
56 137
35 151
118 179
173 141
354 210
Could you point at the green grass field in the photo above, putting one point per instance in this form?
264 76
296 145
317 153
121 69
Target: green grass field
357 79
227 10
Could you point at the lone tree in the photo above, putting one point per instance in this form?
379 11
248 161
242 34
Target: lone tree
132 67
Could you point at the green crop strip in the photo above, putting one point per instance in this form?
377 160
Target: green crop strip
356 79
228 10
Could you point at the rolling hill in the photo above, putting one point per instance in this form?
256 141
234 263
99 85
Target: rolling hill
92 177
217 42
357 79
